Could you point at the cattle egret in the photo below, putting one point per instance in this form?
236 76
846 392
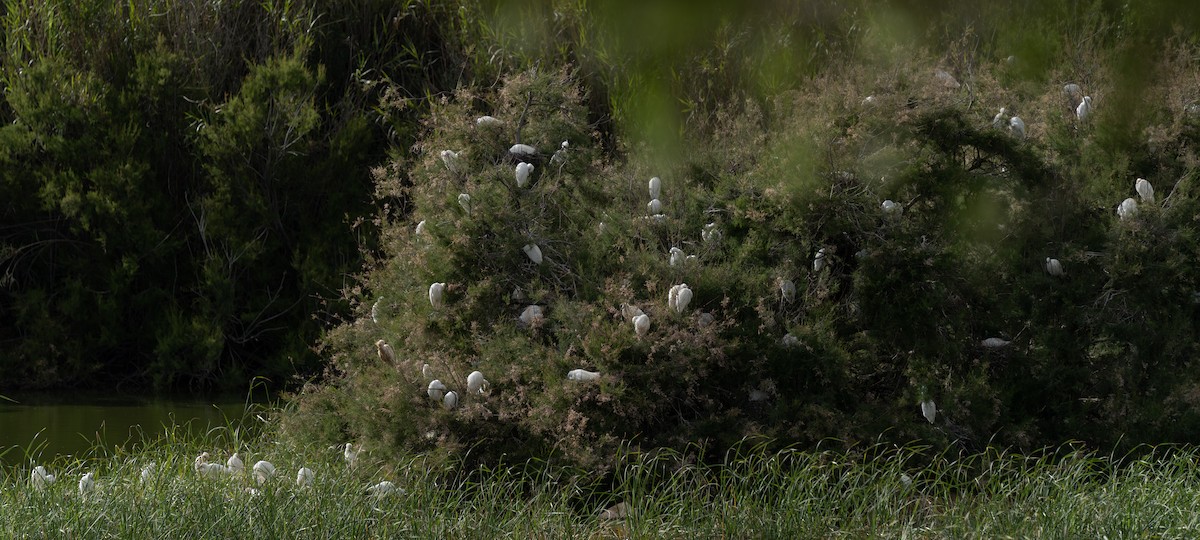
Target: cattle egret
641 324
654 207
682 298
450 400
819 260
630 311
451 160
87 484
710 233
1017 127
1144 190
560 156
582 375
787 289
1127 209
305 477
655 188
200 460
1084 109
998 120
436 390
476 384
790 341
487 121
757 396
40 478
1054 267
436 292
464 201
531 314
375 310
522 150
263 471
677 257
929 410
381 489
522 173
386 354
147 472
427 372
995 342
946 79
420 228
672 294
234 463
891 207
350 454
533 252
869 100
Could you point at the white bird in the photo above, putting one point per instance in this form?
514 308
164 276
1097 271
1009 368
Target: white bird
522 150
451 160
998 120
476 383
1144 190
672 294
1084 109
533 252
681 298
375 310
234 463
641 324
1127 209
464 201
426 372
420 228
381 489
787 289
40 478
522 173
488 121
148 472
710 233
869 100
263 471
436 292
891 207
386 354
654 207
929 410
582 375
790 340
305 477
450 400
560 156
995 342
1017 127
350 454
655 188
531 314
677 257
436 390
87 484
1054 267
819 261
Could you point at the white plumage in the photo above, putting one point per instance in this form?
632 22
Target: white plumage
476 383
1017 126
1054 267
87 484
819 260
1144 190
263 471
522 150
582 375
40 478
450 400
995 342
464 200
305 477
654 207
655 188
522 173
533 252
641 324
436 390
234 464
436 295
451 159
487 121
1084 109
531 314
1127 209
386 354
891 207
677 257
998 121
929 410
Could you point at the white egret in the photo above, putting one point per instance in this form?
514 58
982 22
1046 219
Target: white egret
654 207
946 79
677 257
1054 267
1127 209
87 484
212 470
1017 127
995 342
560 156
892 207
682 298
522 150
1084 109
787 289
488 121
819 261
263 471
869 100
464 201
531 314
420 228
998 121
582 375
381 489
655 188
450 400
427 372
533 252
672 294
522 173
657 218
476 383
929 410
451 159
790 341
40 478
350 454
641 324
436 295
305 477
375 310
234 463
436 390
148 472
1144 190
386 354
710 233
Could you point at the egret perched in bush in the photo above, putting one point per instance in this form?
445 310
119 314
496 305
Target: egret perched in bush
350 454
87 484
40 478
677 257
582 375
476 383
1017 127
679 297
522 151
464 201
305 476
436 295
234 464
488 121
450 400
710 233
998 121
451 160
148 472
386 354
929 410
531 315
560 156
655 188
263 471
381 489
427 372
787 289
436 390
654 207
819 261
420 228
1127 209
995 342
522 173
1084 109
641 324
533 252
375 310
1144 190
891 207
1053 267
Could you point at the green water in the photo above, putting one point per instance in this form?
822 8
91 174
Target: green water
40 427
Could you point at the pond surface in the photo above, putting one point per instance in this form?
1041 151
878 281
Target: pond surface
45 425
